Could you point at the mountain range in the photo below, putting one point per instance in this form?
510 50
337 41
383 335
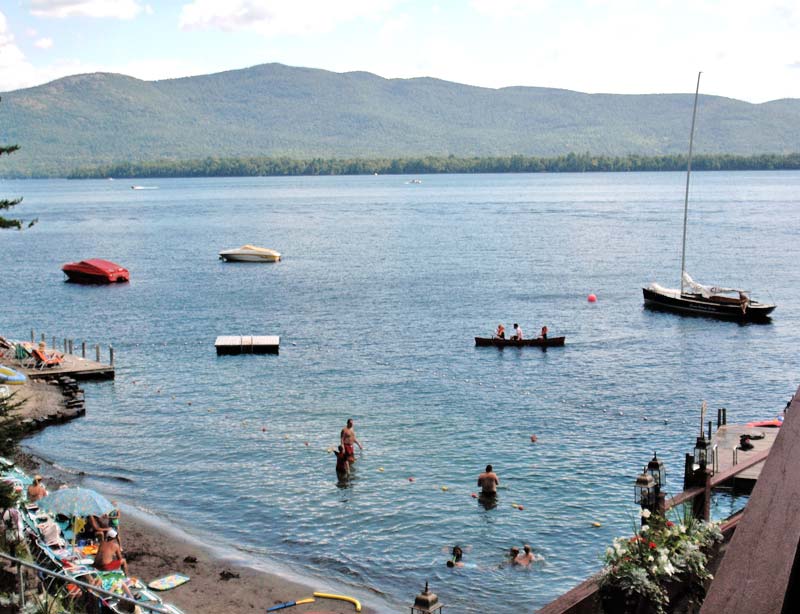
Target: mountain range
278 110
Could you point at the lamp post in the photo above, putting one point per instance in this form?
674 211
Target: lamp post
659 474
701 452
426 603
645 492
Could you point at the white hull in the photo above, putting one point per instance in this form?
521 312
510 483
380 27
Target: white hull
248 258
250 253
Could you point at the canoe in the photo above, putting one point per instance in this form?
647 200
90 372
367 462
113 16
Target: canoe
536 342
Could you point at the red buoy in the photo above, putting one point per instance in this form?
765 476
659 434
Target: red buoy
592 298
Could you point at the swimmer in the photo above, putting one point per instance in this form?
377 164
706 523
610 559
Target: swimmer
513 554
455 560
527 557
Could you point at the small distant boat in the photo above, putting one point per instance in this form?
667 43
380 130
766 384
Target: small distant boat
535 342
415 181
144 187
95 271
250 253
10 376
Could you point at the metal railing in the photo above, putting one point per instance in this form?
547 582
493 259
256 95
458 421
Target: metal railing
96 590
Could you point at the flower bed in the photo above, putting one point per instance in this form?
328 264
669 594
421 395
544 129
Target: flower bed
662 558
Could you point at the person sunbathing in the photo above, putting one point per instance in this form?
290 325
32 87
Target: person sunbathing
109 554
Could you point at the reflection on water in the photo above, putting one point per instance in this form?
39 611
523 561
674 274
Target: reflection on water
378 298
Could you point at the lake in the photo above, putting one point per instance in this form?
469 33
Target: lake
381 290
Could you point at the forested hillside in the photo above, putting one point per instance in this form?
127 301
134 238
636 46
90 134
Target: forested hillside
275 110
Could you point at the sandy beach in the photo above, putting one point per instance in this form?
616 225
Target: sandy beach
217 584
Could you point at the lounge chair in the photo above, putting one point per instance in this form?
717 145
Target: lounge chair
45 361
24 356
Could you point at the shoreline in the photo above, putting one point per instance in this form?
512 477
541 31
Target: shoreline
155 546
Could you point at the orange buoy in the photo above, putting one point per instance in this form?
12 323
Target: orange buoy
592 298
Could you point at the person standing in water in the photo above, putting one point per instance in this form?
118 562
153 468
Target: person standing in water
348 438
488 482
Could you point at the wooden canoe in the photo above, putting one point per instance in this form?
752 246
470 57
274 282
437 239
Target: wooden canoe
537 342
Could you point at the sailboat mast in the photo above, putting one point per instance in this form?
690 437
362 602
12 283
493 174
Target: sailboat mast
688 174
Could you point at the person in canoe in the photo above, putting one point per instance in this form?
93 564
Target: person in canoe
517 336
543 334
500 333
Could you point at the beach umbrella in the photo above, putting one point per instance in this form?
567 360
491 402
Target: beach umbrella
76 502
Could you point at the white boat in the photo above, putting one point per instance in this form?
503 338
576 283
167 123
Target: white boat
693 298
250 253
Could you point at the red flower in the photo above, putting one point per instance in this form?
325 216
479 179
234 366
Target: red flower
653 545
670 523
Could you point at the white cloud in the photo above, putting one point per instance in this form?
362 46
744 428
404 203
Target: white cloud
14 68
61 9
44 43
272 17
508 8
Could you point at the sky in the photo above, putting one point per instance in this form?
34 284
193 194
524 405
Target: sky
747 49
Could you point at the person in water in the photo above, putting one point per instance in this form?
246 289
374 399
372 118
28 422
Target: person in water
342 463
501 332
455 559
513 554
527 557
488 482
348 438
517 336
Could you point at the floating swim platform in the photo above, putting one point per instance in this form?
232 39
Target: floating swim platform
232 345
168 582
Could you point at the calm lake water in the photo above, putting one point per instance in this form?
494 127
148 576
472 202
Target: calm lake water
383 287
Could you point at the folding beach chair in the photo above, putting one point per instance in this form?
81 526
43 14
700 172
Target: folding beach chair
24 357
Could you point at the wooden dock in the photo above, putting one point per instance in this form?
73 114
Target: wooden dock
73 366
726 441
233 345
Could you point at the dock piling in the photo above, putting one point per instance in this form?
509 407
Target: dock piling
70 346
33 336
97 351
83 349
111 354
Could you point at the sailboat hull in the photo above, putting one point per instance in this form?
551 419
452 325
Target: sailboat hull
715 307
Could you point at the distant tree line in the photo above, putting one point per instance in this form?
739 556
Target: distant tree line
570 163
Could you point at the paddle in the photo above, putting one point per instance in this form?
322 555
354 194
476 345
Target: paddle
290 604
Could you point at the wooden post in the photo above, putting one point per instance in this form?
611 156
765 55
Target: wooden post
719 418
33 336
83 348
54 343
111 354
724 416
97 351
688 471
65 346
21 585
71 346
707 498
661 504
43 340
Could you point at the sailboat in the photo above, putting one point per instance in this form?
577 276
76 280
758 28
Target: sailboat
697 299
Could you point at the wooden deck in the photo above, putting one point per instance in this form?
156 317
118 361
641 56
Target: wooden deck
727 439
73 366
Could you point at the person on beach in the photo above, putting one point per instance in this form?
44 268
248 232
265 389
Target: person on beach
348 438
99 526
109 554
342 464
501 332
36 490
517 336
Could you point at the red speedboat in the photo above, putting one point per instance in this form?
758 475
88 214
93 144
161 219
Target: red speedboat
95 271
